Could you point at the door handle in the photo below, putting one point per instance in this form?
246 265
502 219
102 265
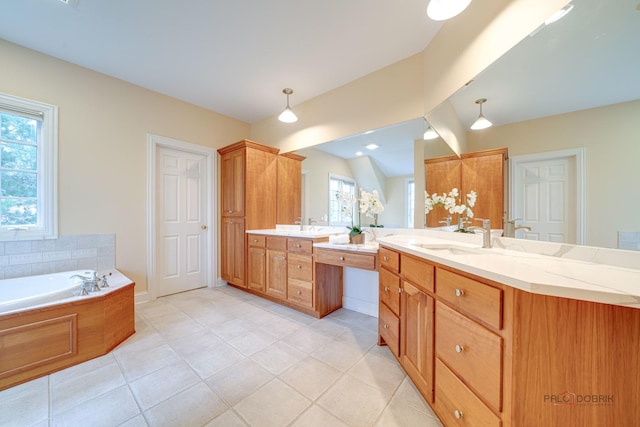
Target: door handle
203 227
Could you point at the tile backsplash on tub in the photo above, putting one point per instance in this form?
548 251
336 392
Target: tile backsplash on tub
34 257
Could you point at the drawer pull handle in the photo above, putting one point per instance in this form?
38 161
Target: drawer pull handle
459 348
298 266
386 289
386 326
299 292
457 414
459 292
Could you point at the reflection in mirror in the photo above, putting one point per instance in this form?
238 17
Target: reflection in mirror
388 168
570 87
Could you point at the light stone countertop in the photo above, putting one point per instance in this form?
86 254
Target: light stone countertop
601 275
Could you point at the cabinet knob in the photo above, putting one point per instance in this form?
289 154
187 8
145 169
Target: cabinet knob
457 414
298 266
299 292
385 258
386 289
399 290
298 245
255 240
459 348
229 211
341 258
459 292
386 326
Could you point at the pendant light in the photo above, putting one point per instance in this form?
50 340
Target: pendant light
287 116
441 10
481 122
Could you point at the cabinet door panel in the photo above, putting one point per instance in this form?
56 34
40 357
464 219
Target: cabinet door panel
442 176
417 338
256 269
485 175
232 185
232 247
277 273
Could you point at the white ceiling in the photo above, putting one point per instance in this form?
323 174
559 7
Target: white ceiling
235 57
232 56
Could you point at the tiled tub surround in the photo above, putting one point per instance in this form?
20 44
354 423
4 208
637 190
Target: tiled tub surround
66 253
223 357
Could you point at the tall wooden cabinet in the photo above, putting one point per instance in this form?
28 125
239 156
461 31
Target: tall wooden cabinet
248 201
289 182
482 171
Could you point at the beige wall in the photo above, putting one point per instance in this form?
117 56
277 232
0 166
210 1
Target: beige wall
103 125
394 210
612 150
317 166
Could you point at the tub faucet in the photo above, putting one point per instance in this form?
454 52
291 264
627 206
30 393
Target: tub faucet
486 231
89 284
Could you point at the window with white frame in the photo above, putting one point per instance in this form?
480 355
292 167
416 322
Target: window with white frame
337 214
28 160
411 198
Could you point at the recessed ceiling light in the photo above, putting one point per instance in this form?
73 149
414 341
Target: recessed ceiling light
72 3
371 147
359 153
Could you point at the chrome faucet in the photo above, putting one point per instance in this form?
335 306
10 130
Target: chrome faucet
299 221
511 228
447 221
90 283
486 231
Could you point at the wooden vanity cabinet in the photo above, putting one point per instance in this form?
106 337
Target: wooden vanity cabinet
248 197
256 262
482 172
276 275
389 305
417 322
232 242
300 272
289 192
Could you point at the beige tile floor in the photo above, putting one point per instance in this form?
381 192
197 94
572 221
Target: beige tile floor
221 357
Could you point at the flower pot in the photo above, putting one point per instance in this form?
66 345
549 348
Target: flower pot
358 239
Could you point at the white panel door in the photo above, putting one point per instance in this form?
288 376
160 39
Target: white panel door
180 218
545 199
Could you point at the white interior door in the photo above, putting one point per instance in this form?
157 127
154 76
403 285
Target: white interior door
180 221
546 197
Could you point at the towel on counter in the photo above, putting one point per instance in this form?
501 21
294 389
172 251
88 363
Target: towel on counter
339 239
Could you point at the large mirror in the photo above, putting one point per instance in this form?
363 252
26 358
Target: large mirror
569 86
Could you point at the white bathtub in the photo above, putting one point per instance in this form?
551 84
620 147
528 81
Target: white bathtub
32 291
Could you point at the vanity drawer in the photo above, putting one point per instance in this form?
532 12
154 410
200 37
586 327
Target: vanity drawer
471 351
390 290
300 266
256 240
389 328
300 292
389 259
456 405
304 246
418 272
470 296
366 261
277 243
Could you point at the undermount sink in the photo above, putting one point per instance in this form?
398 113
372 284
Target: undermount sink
450 248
